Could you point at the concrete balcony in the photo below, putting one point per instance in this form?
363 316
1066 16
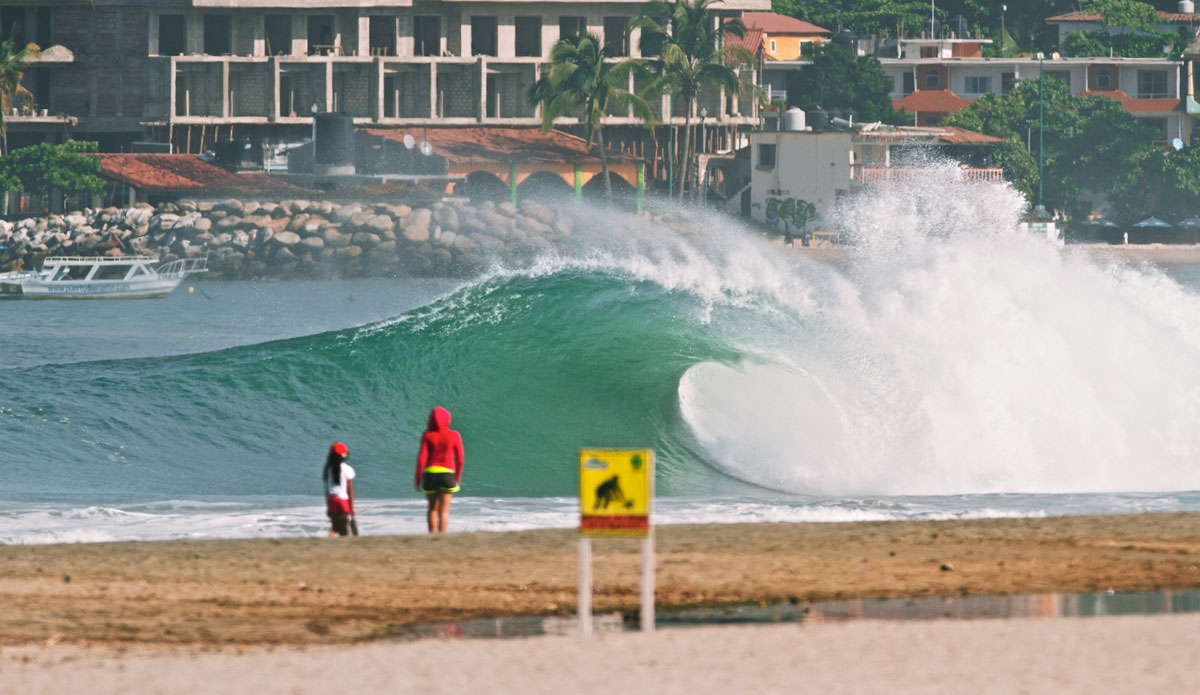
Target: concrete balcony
871 175
379 90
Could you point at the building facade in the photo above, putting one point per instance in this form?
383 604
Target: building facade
188 72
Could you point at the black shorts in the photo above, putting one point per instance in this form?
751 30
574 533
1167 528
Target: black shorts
438 482
341 523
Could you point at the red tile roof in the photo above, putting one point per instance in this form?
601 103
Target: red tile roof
958 136
779 24
1097 17
752 41
184 173
932 101
1134 105
472 146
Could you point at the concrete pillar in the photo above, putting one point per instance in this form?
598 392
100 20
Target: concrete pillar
152 35
328 85
433 91
404 40
258 34
635 39
194 23
378 115
506 35
363 47
550 32
275 75
226 106
299 34
482 72
464 33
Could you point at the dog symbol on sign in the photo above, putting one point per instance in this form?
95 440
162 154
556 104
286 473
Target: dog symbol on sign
610 491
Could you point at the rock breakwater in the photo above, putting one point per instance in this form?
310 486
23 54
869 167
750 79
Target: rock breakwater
301 238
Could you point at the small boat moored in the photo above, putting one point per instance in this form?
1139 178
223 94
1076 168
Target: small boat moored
98 277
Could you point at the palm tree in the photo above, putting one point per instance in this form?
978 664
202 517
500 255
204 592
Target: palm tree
581 80
688 42
13 63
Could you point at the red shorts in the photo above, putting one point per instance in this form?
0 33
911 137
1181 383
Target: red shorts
337 505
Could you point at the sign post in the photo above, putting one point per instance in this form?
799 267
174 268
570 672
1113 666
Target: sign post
616 498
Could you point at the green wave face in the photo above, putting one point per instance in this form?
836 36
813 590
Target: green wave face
531 368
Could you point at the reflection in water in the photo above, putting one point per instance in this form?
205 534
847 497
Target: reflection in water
929 608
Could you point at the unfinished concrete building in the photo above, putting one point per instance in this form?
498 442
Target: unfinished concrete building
188 72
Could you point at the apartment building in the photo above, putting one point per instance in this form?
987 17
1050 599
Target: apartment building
187 72
933 78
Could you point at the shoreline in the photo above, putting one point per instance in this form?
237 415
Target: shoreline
308 592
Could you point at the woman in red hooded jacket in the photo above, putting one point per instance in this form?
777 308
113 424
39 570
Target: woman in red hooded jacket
439 467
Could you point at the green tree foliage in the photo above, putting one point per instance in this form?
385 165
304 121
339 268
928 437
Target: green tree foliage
687 40
838 80
14 60
1079 44
1124 15
43 167
581 81
1091 143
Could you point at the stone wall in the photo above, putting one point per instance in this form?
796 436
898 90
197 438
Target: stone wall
302 238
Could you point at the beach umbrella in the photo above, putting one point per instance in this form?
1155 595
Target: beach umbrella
1149 225
1192 223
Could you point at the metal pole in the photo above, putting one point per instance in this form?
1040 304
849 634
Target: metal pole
585 586
647 617
641 187
512 182
671 165
1041 126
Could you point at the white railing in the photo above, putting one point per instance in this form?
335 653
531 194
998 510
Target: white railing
183 266
877 175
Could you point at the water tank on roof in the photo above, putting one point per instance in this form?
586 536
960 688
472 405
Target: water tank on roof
932 28
959 26
793 119
237 154
333 144
819 120
1187 7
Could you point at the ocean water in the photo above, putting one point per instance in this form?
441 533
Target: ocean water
949 367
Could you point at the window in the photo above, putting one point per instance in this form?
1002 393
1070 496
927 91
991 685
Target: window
929 51
773 48
483 35
529 36
615 38
382 36
1006 82
320 34
1159 125
978 84
172 35
1103 79
278 31
427 36
571 27
111 272
217 28
766 156
931 78
1152 83
910 83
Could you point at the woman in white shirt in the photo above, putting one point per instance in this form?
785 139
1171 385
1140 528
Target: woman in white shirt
339 489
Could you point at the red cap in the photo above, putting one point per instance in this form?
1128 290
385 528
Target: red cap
338 448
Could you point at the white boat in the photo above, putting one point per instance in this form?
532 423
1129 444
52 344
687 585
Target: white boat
98 277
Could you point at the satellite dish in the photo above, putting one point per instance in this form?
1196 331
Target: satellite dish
426 148
409 140
1177 144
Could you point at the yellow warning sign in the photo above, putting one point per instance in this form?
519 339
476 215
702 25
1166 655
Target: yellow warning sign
616 487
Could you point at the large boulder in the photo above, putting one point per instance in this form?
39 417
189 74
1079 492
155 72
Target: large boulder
286 238
415 225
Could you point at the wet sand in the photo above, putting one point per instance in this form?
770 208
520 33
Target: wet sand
315 591
308 615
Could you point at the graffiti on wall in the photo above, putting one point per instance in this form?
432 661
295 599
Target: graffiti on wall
793 213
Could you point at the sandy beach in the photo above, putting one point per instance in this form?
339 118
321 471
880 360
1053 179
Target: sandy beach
269 616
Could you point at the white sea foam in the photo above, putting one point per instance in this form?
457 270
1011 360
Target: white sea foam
957 355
